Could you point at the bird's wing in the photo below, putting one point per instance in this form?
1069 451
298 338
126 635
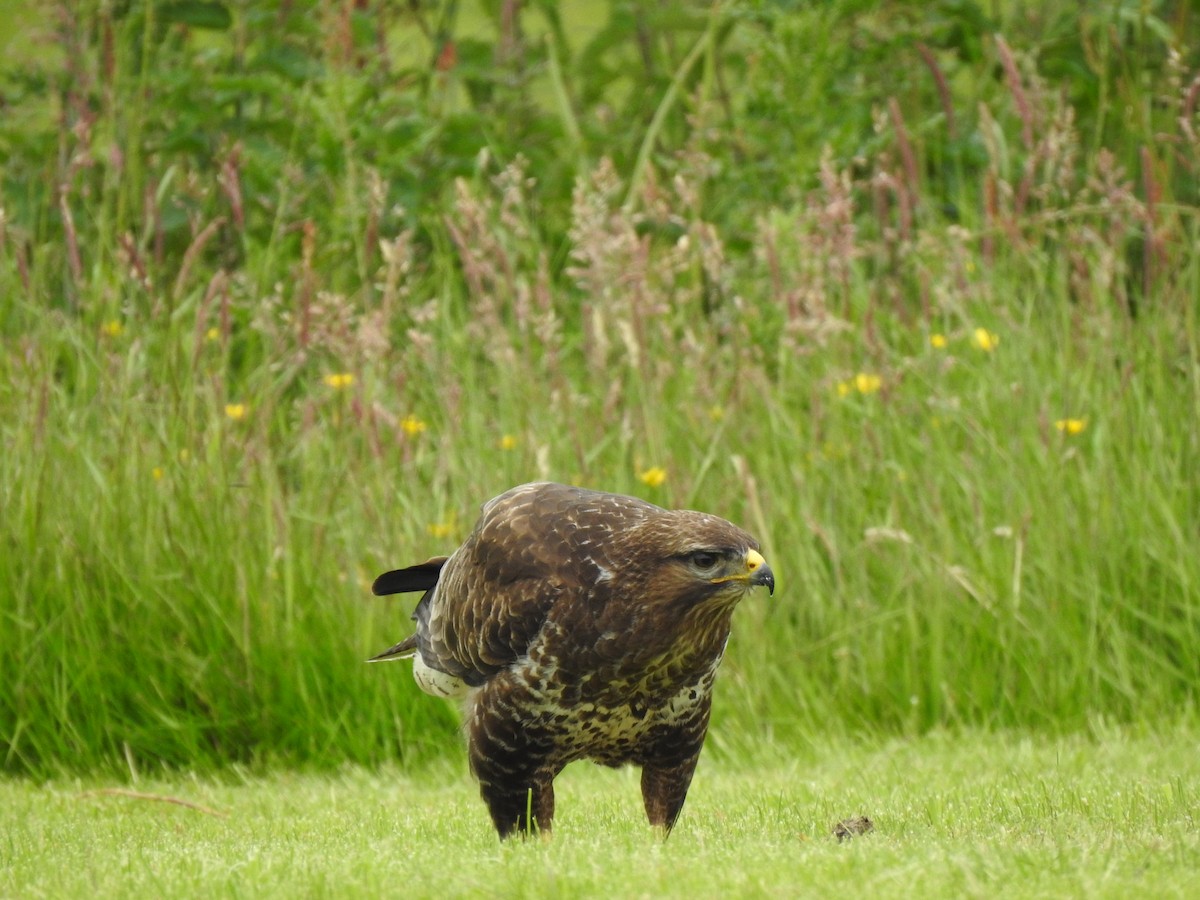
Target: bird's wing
535 548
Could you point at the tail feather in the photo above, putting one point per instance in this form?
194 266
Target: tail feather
403 650
420 577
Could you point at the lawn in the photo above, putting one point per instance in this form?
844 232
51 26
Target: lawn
1110 814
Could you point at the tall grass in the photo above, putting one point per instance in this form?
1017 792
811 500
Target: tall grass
255 352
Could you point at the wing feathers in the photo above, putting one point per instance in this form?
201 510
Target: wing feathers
546 553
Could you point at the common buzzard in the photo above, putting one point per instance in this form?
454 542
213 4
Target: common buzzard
579 625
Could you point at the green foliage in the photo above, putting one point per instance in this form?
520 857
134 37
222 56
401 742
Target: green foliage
287 290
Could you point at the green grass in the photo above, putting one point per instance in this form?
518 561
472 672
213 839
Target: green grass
1113 814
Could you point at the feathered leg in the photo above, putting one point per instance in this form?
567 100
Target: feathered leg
664 788
512 806
512 762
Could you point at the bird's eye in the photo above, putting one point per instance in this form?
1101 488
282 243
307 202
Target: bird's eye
703 559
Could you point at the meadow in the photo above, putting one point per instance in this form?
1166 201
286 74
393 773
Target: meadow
910 291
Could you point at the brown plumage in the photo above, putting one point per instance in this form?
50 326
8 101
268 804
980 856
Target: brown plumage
579 625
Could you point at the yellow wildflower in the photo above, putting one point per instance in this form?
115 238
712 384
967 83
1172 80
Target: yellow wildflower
986 340
1071 426
157 473
867 384
653 476
185 455
844 388
339 380
212 334
716 412
235 411
412 425
937 341
440 529
112 328
508 442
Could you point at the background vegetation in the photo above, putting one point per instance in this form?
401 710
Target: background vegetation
288 288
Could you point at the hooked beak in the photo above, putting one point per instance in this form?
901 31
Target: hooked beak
759 572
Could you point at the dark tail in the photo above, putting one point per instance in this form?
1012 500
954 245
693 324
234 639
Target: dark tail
420 577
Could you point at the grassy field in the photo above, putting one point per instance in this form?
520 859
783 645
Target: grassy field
1112 814
908 290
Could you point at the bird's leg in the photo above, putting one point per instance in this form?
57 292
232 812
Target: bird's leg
664 788
518 805
511 761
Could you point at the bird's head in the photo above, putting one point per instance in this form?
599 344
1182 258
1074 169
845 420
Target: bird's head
722 571
702 559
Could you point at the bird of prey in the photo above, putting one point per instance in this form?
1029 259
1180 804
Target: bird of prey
579 625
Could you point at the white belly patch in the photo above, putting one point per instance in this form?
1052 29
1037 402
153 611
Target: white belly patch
436 682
